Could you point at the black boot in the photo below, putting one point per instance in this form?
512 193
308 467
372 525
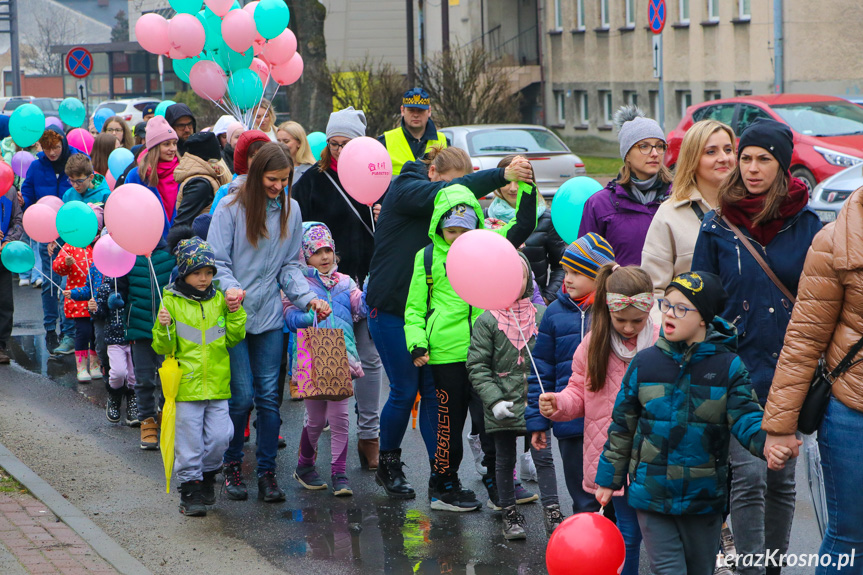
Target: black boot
112 407
208 487
191 502
390 476
268 489
132 408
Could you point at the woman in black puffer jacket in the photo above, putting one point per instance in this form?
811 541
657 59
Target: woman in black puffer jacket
543 248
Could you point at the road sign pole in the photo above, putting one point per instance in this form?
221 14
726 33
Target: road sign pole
656 13
661 95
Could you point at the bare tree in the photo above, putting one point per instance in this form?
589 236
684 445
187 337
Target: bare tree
467 87
311 97
52 30
374 88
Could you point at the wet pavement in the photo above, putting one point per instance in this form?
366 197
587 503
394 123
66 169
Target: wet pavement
315 532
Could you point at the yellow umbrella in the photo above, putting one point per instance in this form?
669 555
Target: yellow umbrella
170 374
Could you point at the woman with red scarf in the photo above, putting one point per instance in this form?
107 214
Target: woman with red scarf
762 204
156 166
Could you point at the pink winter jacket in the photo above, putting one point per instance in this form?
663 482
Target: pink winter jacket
576 401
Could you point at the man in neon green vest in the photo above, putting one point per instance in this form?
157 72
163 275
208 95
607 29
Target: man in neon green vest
417 133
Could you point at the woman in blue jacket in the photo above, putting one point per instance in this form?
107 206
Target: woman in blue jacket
762 202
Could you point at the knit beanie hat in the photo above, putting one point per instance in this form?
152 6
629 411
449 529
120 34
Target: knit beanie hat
634 126
347 123
773 136
232 129
194 254
158 131
204 145
316 236
704 290
100 216
587 254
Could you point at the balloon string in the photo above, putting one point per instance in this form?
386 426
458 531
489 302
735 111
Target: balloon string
258 127
159 291
527 347
50 281
372 214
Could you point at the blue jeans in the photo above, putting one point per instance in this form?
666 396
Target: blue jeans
33 274
839 443
388 332
52 302
627 522
572 454
255 363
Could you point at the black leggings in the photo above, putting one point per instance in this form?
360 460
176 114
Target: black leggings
85 337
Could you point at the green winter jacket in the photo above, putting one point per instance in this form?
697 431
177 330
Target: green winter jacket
443 325
141 293
200 335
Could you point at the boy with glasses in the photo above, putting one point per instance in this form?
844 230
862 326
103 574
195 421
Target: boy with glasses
87 186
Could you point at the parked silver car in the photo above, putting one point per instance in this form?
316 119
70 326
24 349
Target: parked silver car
552 160
830 194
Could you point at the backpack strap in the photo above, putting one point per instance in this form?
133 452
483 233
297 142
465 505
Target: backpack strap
428 252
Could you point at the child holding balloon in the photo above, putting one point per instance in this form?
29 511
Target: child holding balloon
74 263
621 327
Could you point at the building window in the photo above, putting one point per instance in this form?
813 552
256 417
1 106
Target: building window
744 9
583 110
630 97
684 11
630 13
713 10
684 98
712 95
605 19
558 15
579 15
560 106
653 96
739 93
607 109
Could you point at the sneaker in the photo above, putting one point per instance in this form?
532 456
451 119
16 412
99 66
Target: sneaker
37 283
234 484
308 477
191 502
149 434
132 409
268 489
112 407
4 355
493 502
526 467
552 517
66 347
522 495
513 524
446 496
476 449
341 487
23 282
208 487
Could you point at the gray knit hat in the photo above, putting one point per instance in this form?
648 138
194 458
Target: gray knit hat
347 123
634 126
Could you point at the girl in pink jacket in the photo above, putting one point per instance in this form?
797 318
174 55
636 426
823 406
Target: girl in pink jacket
621 328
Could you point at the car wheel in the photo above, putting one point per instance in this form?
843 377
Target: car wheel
806 176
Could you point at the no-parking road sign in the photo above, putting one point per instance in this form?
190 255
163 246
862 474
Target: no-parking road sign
656 12
79 62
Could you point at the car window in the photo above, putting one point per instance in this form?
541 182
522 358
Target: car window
115 107
823 118
513 141
14 103
722 113
748 114
141 105
46 104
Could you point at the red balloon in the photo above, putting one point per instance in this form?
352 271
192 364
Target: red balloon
585 544
7 177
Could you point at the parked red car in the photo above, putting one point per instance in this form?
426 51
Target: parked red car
828 131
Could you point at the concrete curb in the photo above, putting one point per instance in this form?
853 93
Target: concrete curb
101 543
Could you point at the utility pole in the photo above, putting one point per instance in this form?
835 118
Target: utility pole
409 9
11 17
444 19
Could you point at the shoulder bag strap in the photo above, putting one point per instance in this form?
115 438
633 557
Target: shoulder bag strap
746 243
846 362
350 205
698 211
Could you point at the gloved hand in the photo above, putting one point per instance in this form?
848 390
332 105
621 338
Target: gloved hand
501 410
115 302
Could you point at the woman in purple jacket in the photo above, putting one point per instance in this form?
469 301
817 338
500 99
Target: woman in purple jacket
622 212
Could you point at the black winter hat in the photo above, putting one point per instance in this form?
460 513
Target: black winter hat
704 290
205 145
773 136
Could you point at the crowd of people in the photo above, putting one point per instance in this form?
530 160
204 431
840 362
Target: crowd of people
694 306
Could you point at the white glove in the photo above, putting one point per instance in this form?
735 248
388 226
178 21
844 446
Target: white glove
501 410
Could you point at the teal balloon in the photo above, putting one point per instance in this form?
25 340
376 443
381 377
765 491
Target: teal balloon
231 61
186 6
18 257
26 125
212 28
245 88
164 105
317 143
567 206
72 112
77 224
271 18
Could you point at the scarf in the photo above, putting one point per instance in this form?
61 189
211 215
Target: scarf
193 294
330 279
500 209
642 341
525 317
334 165
584 302
645 191
167 186
742 212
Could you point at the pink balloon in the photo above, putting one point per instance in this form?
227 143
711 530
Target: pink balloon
250 8
81 139
258 47
187 34
365 169
208 80
282 48
53 202
152 33
261 69
219 7
112 181
238 30
110 259
484 269
40 222
289 72
134 218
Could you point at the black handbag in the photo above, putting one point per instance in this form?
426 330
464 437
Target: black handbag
818 396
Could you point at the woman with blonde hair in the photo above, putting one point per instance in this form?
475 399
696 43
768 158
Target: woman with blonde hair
706 158
293 136
265 119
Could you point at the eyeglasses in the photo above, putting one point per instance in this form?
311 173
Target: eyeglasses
81 181
646 148
114 130
183 126
679 309
335 146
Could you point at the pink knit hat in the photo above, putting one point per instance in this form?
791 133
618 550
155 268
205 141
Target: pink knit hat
158 131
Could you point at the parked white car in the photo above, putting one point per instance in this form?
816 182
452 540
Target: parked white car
830 194
130 110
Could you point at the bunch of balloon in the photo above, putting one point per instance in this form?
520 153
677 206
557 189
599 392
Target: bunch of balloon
226 53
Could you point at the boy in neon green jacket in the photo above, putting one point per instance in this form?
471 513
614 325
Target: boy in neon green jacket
196 326
438 327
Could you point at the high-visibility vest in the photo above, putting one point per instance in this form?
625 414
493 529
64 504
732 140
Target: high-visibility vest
400 151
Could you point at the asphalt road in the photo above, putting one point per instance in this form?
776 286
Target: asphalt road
58 428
